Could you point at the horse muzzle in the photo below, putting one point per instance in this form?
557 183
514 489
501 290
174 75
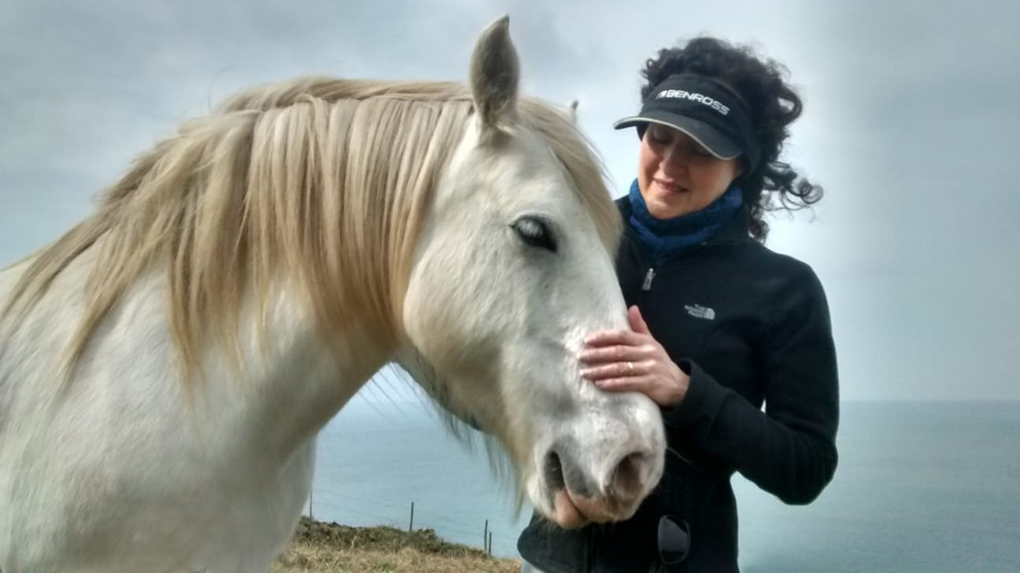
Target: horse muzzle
579 496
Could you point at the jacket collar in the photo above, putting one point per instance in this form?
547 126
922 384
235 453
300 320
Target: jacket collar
735 230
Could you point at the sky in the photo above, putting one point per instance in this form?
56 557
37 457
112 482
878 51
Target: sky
909 125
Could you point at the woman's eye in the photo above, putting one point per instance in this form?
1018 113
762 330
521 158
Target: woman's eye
535 232
659 135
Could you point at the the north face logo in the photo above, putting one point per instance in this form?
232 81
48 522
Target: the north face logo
698 311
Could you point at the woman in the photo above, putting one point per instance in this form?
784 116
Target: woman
720 325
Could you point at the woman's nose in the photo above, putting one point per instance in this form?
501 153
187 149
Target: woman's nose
673 159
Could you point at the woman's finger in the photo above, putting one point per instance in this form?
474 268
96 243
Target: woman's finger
627 369
618 353
614 337
637 322
627 384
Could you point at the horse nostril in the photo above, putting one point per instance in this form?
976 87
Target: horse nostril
554 471
627 482
563 471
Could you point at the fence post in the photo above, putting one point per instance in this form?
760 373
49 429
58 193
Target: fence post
490 544
485 535
410 526
311 515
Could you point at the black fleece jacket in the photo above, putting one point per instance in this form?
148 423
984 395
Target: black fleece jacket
751 327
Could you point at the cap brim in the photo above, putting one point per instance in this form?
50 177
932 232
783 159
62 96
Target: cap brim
707 136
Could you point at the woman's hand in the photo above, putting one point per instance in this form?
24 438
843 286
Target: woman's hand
625 361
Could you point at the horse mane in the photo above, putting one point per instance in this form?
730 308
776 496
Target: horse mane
317 181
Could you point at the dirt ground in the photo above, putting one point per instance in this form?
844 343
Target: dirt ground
333 548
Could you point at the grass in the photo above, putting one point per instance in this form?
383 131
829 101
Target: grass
333 548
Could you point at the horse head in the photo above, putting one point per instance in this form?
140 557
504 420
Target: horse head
512 270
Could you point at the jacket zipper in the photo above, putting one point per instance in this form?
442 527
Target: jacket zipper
649 276
646 285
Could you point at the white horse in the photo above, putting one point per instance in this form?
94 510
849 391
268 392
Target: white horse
166 364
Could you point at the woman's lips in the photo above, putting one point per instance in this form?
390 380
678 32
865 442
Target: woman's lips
669 188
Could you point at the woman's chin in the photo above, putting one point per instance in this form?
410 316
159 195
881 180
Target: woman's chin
669 207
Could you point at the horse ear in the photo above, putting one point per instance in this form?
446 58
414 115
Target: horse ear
495 74
573 110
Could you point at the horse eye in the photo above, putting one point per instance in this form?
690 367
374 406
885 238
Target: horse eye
535 232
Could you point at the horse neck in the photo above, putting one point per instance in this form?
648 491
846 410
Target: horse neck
295 379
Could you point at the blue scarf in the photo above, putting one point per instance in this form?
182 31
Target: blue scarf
666 237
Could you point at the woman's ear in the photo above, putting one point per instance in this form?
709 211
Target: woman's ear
741 168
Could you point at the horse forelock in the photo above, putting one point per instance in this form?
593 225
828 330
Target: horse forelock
582 164
318 182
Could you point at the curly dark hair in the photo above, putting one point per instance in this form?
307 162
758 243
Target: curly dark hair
774 105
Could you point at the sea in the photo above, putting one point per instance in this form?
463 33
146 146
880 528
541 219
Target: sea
921 486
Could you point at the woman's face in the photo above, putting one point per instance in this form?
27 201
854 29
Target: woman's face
677 175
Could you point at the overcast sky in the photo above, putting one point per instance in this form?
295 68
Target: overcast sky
910 124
